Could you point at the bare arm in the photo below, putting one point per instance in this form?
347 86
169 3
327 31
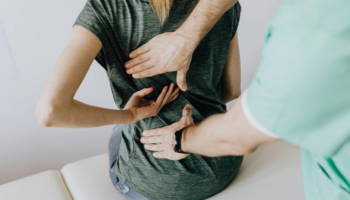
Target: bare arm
169 52
57 106
234 135
203 18
231 76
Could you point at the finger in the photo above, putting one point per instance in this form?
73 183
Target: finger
161 96
174 97
181 80
139 68
153 132
138 60
154 147
144 92
187 111
147 73
175 92
161 154
179 156
141 50
151 139
167 96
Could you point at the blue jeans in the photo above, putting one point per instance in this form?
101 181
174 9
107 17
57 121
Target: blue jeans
114 144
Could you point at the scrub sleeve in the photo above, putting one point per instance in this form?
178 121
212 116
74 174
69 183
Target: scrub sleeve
301 91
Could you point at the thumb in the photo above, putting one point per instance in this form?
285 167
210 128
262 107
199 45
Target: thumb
187 115
181 79
144 92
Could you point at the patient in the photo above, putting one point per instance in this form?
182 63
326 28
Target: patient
107 31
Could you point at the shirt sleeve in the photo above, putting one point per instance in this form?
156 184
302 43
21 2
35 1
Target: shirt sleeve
93 20
300 92
90 19
237 15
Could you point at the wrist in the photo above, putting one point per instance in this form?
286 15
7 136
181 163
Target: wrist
185 140
189 39
129 116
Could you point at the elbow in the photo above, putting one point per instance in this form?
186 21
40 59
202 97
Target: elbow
45 113
236 93
232 96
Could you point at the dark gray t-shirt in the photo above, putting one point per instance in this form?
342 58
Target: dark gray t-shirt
124 25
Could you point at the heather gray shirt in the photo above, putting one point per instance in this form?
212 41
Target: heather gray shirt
124 25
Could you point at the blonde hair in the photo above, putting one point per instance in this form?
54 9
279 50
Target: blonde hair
162 8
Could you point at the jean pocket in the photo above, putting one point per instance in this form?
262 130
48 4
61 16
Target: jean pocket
121 187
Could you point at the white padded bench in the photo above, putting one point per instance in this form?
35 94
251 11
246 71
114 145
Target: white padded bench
47 185
273 172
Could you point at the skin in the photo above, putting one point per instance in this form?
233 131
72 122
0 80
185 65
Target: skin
57 106
234 135
231 76
173 51
164 140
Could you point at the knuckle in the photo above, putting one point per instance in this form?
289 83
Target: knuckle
141 59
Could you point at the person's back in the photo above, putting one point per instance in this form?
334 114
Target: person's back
124 25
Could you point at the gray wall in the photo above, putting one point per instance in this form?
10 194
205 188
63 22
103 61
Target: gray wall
37 32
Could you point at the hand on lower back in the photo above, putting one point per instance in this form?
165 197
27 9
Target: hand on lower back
166 52
141 108
162 140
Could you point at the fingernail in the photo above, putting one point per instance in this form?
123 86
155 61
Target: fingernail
146 146
142 140
131 55
144 133
127 65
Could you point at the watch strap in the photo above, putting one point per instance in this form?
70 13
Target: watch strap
178 137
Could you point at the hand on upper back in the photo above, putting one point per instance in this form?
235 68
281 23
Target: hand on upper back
166 52
141 108
162 140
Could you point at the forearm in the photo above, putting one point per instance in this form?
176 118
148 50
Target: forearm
223 134
231 76
207 138
80 115
202 19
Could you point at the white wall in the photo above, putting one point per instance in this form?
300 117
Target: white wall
37 32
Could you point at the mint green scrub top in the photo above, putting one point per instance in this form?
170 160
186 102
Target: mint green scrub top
301 91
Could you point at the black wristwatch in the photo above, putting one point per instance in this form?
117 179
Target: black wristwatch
178 137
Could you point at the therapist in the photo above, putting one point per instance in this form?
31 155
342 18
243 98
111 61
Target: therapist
300 93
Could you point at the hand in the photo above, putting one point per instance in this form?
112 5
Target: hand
166 52
162 140
140 108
